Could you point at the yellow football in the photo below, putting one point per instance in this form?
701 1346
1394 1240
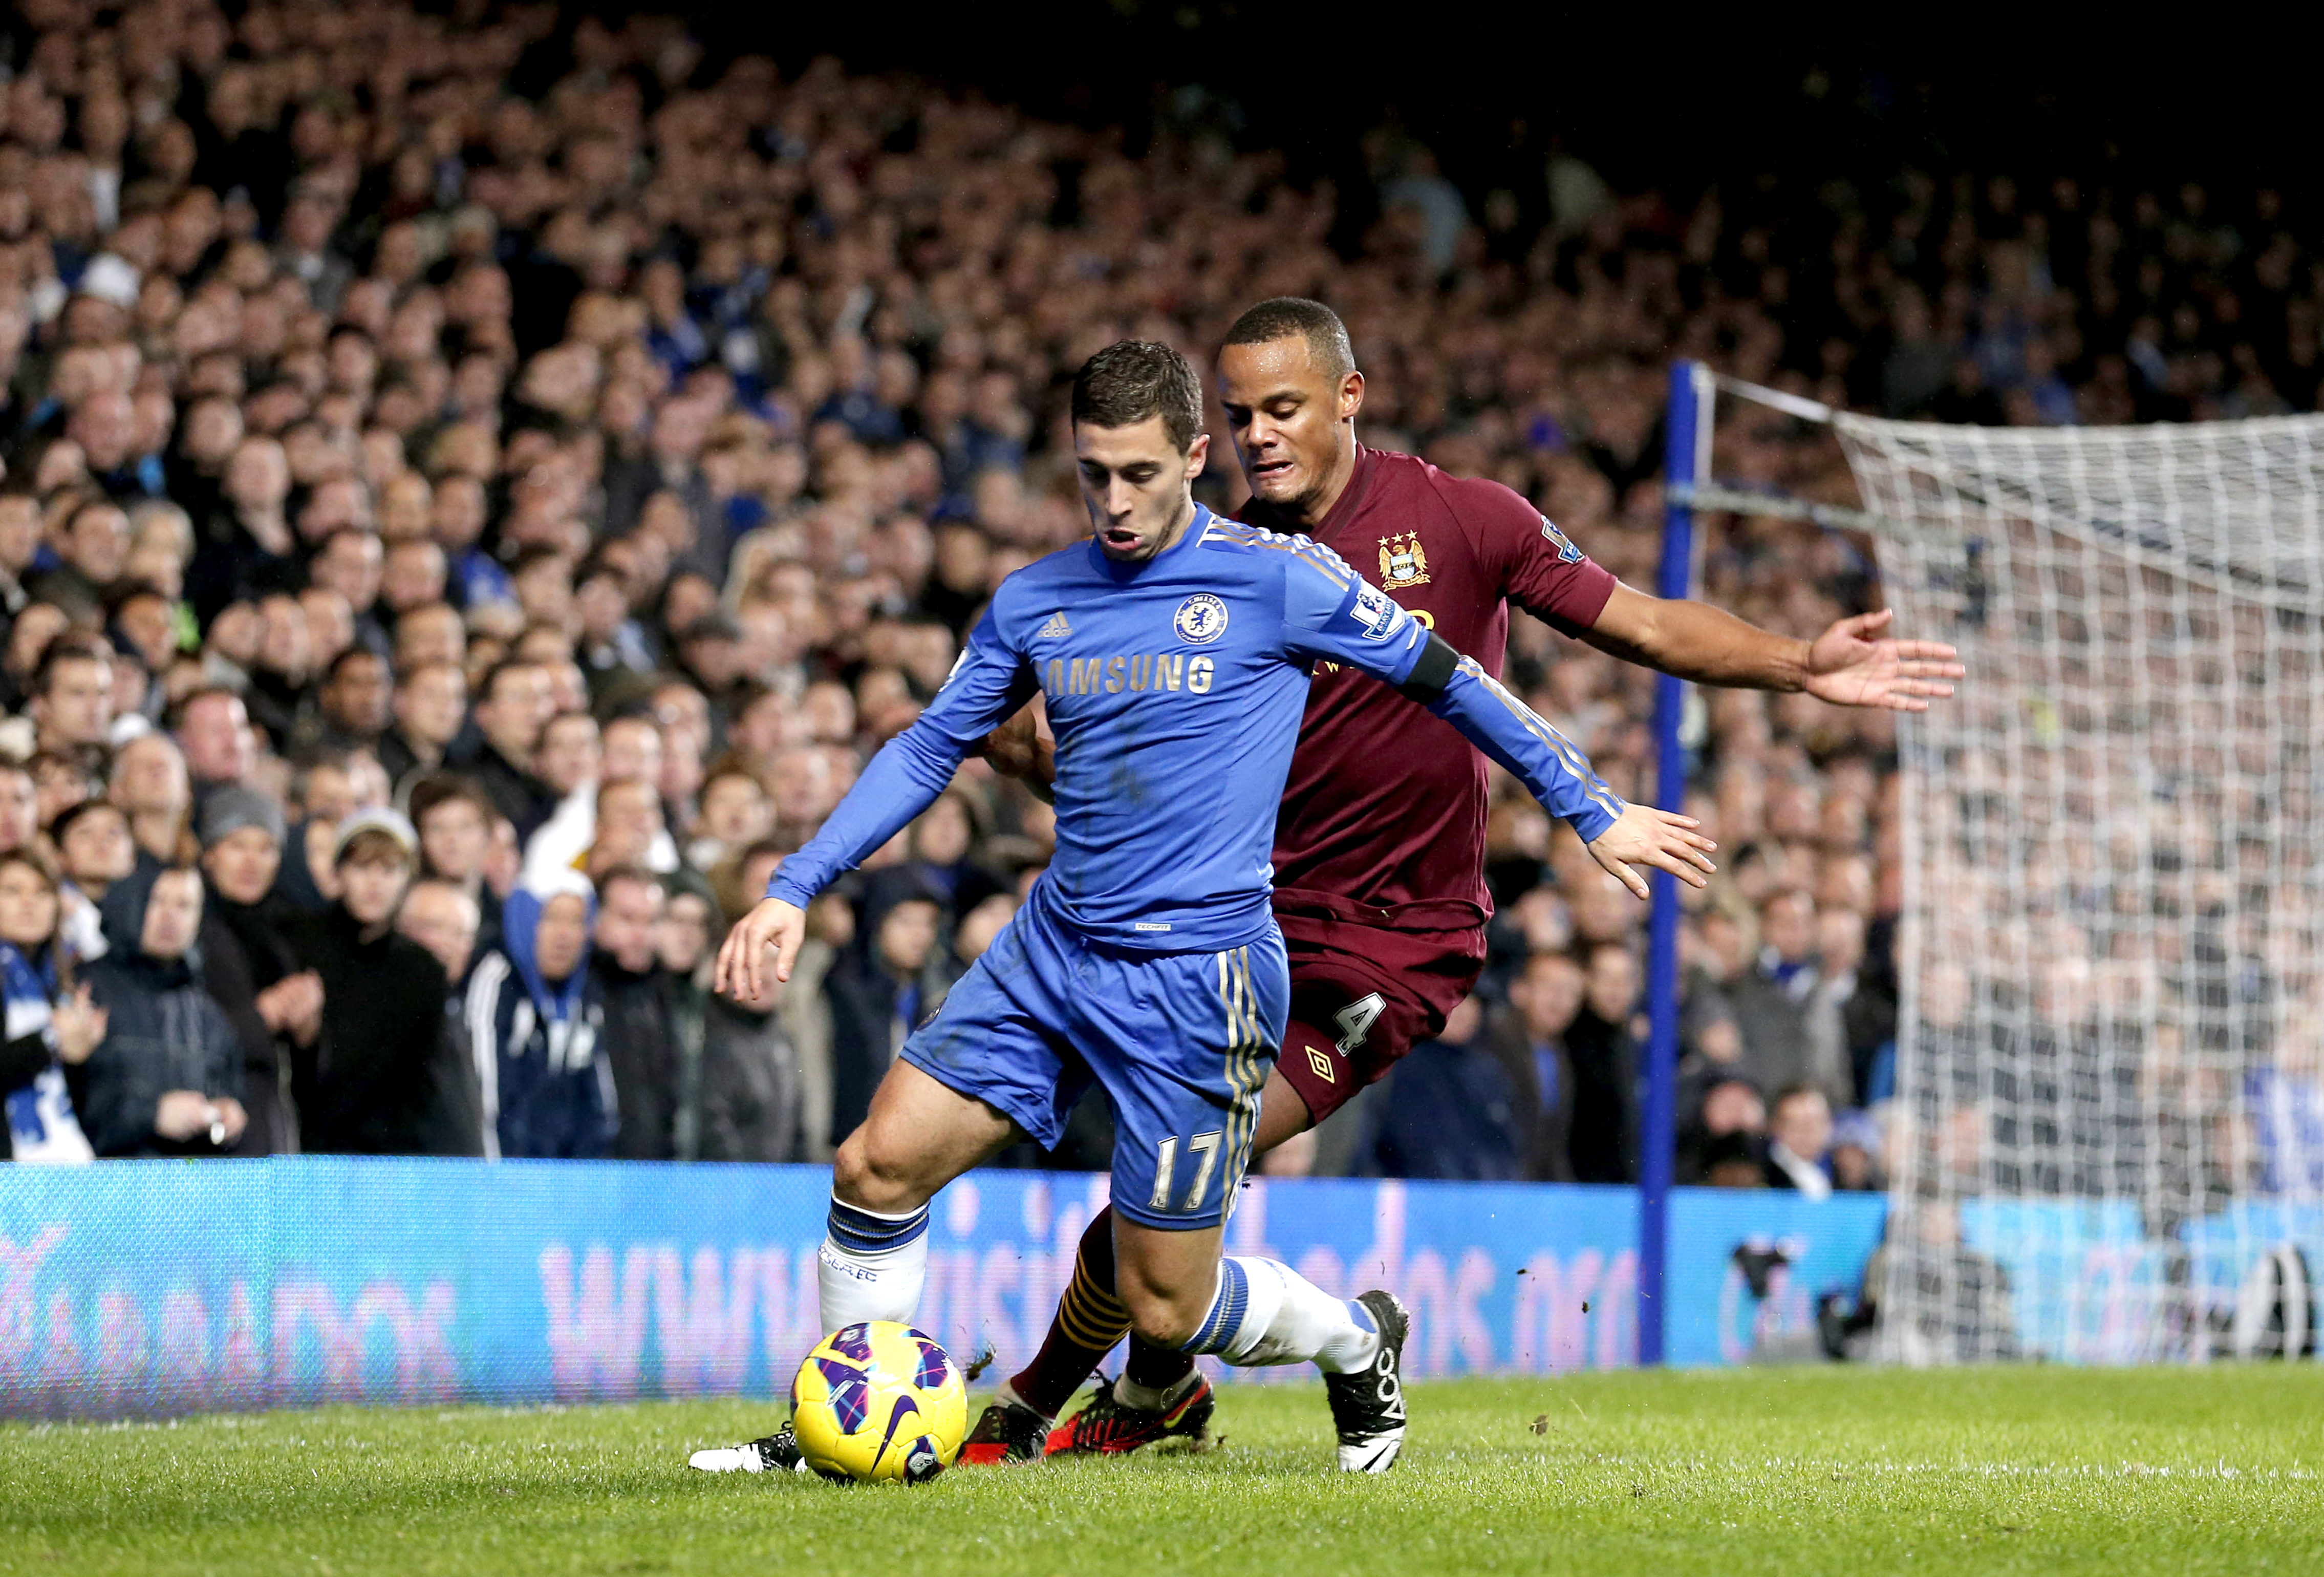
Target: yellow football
880 1401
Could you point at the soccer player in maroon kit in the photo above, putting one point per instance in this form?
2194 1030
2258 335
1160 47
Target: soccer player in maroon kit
1380 851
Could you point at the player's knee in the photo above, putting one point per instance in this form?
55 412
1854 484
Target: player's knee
873 1175
1165 1317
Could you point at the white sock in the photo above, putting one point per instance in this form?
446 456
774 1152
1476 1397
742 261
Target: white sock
873 1265
1265 1313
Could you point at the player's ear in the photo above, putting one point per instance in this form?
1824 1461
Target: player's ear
1352 394
1198 455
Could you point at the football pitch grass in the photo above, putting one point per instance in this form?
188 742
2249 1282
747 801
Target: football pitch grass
1790 1472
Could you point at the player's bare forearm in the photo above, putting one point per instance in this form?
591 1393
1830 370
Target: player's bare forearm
1698 642
1022 749
1854 663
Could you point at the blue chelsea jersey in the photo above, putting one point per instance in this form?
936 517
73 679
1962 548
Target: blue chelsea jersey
1175 688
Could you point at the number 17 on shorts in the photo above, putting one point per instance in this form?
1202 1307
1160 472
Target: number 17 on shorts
1186 1111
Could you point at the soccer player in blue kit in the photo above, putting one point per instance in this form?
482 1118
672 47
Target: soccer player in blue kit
1174 652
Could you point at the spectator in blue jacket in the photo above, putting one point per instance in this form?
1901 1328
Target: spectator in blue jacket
534 1015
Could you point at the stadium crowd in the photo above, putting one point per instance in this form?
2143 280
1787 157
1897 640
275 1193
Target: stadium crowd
478 489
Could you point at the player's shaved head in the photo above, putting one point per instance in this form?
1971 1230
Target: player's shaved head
1286 317
1290 392
1131 380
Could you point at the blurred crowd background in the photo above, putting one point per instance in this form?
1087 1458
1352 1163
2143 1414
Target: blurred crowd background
479 483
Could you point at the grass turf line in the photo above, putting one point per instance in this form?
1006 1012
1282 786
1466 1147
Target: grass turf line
1847 1471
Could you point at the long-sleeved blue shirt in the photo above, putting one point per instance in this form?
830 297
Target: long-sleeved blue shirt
1175 688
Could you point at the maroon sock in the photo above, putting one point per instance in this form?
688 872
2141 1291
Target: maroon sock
1090 1320
1157 1367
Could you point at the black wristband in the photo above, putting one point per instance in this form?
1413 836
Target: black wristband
1431 673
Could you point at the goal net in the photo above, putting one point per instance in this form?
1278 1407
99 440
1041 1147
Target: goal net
2110 1053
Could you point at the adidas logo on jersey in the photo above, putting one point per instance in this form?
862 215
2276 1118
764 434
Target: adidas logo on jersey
1056 626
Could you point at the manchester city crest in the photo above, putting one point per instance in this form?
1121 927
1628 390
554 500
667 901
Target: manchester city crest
1202 619
1403 561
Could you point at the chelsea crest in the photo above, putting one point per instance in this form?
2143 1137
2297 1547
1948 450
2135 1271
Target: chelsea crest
1403 561
1201 619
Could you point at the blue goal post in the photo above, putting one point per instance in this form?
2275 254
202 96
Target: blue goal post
1686 455
1688 486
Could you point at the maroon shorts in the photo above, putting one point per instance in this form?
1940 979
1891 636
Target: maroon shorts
1361 997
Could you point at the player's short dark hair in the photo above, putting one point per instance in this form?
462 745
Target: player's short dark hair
1283 317
1133 379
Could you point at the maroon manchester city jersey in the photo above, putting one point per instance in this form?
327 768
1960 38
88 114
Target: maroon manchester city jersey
1383 818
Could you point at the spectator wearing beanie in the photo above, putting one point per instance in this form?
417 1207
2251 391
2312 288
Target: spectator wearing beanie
369 1088
251 965
167 1078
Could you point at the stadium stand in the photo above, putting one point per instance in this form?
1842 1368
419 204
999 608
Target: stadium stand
521 455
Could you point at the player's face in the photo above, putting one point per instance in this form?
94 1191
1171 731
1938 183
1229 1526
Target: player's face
1293 423
1138 485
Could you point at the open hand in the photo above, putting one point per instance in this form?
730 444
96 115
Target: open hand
1849 664
742 972
1643 835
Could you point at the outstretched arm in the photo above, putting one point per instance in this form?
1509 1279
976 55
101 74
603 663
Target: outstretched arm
1329 613
1851 664
990 682
1618 836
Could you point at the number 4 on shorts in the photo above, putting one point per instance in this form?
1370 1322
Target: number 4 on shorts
1355 1022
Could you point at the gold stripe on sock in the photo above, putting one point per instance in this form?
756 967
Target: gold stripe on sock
1088 1313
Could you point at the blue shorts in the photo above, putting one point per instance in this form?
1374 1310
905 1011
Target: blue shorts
1180 1042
